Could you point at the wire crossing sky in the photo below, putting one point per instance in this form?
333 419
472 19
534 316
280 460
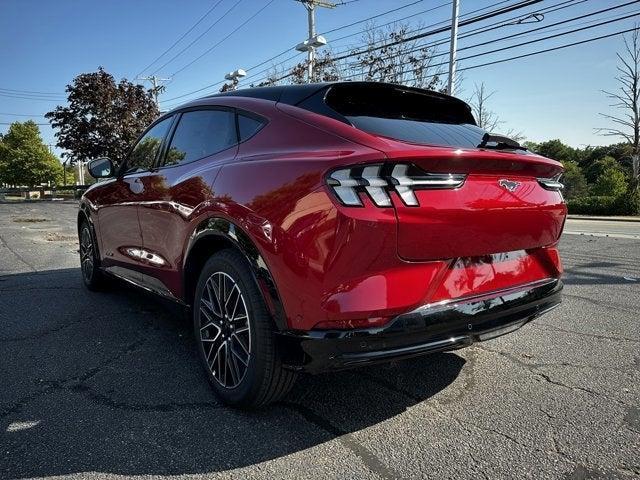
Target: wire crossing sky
547 61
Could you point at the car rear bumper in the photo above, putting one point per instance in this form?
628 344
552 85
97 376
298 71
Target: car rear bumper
431 328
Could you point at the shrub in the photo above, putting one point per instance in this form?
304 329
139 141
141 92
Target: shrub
593 205
626 204
611 182
629 203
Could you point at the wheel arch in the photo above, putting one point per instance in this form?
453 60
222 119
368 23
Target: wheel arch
214 234
84 215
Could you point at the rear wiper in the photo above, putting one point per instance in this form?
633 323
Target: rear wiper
499 142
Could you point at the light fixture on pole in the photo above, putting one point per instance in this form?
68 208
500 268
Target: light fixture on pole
313 41
235 77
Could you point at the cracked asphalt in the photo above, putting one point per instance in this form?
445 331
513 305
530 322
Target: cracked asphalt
103 385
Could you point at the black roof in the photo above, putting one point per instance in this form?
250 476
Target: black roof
294 94
290 94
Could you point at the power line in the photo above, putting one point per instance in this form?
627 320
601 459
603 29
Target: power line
393 10
180 38
206 87
470 21
548 9
31 92
341 28
257 74
346 26
588 22
198 37
225 38
508 37
428 33
419 29
581 42
21 114
32 98
557 34
549 37
539 52
156 86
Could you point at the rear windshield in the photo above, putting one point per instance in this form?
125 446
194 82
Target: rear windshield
410 115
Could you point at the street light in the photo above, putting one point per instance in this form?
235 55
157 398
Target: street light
236 74
315 42
234 77
310 45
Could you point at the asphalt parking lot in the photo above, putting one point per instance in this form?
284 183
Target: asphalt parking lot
99 385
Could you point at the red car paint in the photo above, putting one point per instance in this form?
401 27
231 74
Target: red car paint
335 266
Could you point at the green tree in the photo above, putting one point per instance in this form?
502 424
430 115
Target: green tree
575 183
598 167
24 159
103 118
556 150
626 125
611 182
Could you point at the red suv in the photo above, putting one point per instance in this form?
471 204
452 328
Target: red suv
325 226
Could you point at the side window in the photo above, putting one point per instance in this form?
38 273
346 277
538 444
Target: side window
145 151
248 126
201 133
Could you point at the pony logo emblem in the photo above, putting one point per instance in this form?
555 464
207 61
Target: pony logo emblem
510 185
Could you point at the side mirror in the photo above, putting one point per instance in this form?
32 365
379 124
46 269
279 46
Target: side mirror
101 168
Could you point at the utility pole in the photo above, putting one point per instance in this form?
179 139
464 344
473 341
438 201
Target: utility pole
313 41
80 180
453 47
156 88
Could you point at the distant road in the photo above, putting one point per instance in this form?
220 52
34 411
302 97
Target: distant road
602 228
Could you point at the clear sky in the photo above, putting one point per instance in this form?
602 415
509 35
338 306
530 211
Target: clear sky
553 95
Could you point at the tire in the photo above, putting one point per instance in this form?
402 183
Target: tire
92 276
236 335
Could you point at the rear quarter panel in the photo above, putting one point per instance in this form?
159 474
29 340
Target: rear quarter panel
275 192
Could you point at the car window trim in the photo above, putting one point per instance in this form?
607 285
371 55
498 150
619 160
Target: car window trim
123 168
259 118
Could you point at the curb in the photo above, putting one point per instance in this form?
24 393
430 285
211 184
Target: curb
606 219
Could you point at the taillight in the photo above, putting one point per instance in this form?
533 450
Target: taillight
552 183
378 180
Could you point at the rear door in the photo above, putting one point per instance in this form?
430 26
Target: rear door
202 139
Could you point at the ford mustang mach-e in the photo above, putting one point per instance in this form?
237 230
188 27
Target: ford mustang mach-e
325 226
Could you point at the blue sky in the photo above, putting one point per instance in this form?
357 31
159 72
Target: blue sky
46 43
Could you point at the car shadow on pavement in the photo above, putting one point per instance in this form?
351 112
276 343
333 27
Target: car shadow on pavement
110 382
591 273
